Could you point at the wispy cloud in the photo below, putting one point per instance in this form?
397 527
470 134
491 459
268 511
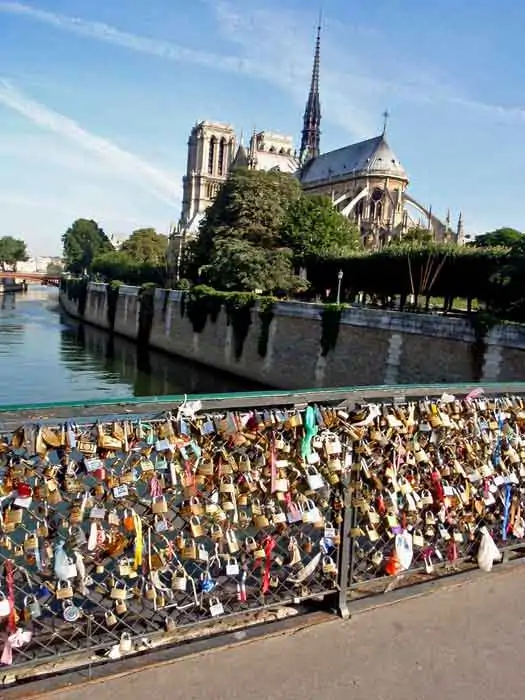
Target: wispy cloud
127 165
283 58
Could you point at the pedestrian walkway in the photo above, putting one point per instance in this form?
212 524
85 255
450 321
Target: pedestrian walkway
464 641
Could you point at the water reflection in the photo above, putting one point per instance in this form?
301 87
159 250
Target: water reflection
46 356
150 373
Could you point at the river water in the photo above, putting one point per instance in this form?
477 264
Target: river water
46 356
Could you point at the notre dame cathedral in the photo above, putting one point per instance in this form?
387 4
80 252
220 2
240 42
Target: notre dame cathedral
365 181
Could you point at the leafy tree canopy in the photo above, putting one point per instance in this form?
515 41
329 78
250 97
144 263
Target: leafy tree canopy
259 227
312 226
239 265
251 205
12 251
416 235
145 245
507 237
82 242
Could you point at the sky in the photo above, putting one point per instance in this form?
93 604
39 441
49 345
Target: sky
97 100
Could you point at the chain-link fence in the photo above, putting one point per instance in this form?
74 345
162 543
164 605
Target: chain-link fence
431 477
117 529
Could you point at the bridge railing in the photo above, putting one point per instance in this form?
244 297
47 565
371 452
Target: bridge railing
127 524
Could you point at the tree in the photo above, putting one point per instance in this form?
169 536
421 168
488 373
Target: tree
82 242
506 237
251 205
414 236
312 226
12 251
239 265
54 268
145 245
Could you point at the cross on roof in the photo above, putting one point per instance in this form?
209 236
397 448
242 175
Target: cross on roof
386 115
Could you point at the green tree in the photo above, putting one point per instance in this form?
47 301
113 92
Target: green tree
251 205
54 268
312 226
506 237
12 251
145 245
82 242
414 236
239 265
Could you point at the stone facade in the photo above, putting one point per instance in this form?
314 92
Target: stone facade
373 347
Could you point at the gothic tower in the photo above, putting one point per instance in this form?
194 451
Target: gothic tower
211 149
311 133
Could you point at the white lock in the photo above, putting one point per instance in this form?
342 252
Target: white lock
216 607
314 478
232 567
5 605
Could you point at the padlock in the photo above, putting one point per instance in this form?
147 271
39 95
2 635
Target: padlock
126 644
124 567
159 505
30 543
250 544
5 605
63 590
119 591
227 485
189 551
216 607
232 542
196 507
150 592
261 521
179 581
121 607
232 567
216 532
32 609
110 618
70 612
196 527
329 566
128 521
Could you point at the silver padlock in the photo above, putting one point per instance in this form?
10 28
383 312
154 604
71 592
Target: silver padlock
70 612
32 607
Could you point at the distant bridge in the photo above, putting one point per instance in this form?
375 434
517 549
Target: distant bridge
42 277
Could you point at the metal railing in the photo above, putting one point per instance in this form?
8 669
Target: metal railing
123 521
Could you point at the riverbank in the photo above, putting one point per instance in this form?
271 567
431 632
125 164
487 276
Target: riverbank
291 345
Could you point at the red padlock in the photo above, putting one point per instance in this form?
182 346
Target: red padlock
100 473
24 491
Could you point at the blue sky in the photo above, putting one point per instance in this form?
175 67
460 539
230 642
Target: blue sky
97 100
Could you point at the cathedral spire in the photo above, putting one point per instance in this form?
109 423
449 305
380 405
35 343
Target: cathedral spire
311 133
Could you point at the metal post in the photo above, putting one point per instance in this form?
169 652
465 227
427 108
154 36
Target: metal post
339 280
345 553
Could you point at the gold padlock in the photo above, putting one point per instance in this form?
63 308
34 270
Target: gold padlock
196 527
63 590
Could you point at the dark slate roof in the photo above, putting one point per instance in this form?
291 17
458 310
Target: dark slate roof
373 156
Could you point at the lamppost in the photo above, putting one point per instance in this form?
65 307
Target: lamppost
339 280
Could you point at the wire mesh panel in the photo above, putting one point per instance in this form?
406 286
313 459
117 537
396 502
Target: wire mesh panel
430 479
114 530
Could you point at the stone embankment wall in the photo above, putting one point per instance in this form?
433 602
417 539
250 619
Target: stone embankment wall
296 345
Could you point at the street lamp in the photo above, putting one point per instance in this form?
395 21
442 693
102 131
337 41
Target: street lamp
339 280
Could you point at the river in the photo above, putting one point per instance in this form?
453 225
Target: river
47 356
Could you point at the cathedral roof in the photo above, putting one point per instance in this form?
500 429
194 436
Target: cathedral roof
266 160
371 157
241 158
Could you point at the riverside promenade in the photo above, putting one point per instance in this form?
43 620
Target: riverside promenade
464 640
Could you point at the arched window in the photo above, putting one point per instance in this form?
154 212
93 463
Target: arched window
211 155
222 152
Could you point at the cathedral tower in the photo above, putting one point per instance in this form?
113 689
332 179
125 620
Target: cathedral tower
211 148
311 134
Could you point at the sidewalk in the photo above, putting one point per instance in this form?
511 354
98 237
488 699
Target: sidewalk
465 642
